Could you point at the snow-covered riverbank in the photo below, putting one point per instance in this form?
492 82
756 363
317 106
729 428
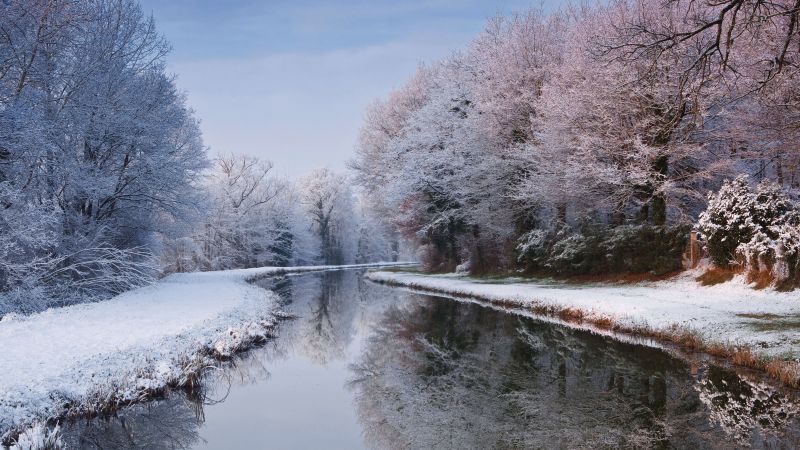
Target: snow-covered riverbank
729 315
75 359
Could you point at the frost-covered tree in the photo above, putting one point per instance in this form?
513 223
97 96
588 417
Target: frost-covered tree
514 58
741 63
97 140
239 232
440 178
622 138
377 239
568 126
330 208
253 219
742 40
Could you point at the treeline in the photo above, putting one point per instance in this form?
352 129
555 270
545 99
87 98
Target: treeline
104 176
255 219
587 141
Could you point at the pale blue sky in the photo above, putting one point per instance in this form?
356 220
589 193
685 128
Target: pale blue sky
289 81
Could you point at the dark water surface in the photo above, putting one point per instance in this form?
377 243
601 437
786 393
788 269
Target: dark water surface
367 366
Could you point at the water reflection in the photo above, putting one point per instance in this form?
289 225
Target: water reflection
439 374
743 408
327 322
172 423
167 424
384 368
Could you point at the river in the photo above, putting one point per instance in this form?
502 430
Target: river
368 366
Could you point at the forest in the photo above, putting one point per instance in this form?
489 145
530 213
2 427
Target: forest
595 139
587 141
106 184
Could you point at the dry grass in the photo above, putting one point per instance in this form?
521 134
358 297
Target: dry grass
717 275
761 279
573 315
604 323
787 372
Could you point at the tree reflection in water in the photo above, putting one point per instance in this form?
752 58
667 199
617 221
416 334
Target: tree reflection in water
165 424
326 305
172 423
441 374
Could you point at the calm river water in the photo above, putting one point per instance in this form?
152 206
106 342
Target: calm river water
368 366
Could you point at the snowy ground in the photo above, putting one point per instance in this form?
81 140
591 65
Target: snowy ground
729 313
67 358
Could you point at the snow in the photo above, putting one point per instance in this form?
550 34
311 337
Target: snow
134 342
729 313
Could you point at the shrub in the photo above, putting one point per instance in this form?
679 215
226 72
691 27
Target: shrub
757 229
646 248
595 250
737 213
773 256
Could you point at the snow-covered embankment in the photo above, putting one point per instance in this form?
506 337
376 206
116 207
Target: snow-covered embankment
91 357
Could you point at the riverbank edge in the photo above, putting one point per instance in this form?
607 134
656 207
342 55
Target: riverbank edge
784 372
193 362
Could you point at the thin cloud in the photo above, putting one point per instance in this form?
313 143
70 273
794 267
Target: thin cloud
289 81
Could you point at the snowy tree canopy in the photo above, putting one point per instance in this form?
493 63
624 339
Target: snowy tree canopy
99 153
592 117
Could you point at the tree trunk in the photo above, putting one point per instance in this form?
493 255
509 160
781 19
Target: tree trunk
660 200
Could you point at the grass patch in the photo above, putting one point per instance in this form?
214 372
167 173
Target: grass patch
622 278
777 325
772 322
763 316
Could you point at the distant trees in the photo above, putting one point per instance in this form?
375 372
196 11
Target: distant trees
564 127
254 218
377 238
347 230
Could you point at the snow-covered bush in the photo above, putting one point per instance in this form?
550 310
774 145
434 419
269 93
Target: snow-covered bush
600 250
774 253
737 213
759 229
182 255
41 267
572 255
645 248
786 252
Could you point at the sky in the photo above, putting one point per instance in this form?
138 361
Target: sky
290 81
